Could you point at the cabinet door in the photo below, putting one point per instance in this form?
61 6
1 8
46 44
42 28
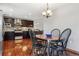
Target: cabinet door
9 36
26 23
9 20
29 23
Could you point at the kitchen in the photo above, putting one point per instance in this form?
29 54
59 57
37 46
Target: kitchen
19 26
16 30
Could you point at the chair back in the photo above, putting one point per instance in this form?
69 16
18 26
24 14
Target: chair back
65 35
55 32
30 33
32 36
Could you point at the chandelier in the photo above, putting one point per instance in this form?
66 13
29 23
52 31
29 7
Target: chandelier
47 13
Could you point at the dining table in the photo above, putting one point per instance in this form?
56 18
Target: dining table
48 39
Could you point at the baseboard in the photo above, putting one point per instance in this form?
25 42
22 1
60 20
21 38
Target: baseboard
72 51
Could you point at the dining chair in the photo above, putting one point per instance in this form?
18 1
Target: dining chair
55 32
53 44
61 50
38 48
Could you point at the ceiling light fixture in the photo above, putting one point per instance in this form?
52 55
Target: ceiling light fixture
47 13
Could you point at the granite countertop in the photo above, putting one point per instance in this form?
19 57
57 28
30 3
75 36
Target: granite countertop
16 30
8 29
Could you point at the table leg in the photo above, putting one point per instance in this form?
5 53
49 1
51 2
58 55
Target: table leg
48 48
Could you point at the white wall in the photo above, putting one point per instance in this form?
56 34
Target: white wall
1 18
1 38
66 16
38 24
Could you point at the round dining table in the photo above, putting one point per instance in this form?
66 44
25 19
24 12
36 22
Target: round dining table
48 39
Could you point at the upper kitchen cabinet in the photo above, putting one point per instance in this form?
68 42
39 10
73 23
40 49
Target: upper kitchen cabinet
9 21
27 23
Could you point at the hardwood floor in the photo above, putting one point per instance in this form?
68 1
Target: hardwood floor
17 48
22 48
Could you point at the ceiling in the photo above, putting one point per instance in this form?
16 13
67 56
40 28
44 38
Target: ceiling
26 10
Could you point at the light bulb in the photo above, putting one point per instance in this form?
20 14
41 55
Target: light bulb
49 11
44 13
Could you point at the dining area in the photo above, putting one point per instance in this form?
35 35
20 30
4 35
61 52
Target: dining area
36 30
50 44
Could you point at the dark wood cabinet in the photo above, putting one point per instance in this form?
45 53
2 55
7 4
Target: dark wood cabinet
9 20
38 32
9 35
11 24
26 34
27 23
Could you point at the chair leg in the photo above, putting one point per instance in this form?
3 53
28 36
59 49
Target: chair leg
42 51
45 51
34 52
57 53
39 51
53 52
50 51
60 53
